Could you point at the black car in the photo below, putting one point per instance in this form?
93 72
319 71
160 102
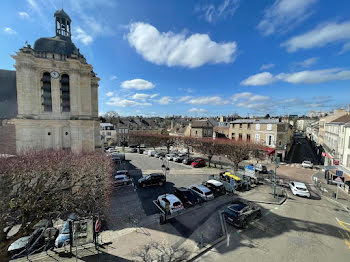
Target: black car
240 213
187 197
264 170
215 186
152 180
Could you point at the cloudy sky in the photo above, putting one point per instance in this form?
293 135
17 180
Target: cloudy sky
209 57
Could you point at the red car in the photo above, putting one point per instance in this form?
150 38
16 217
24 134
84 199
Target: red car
198 163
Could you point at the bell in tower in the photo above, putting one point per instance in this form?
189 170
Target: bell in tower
63 24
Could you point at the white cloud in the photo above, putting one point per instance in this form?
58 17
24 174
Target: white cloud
9 31
112 78
213 13
260 79
197 110
81 36
178 49
346 47
249 97
321 36
115 101
153 96
188 90
207 100
165 100
315 77
184 98
140 96
285 14
266 66
109 94
23 15
308 62
302 77
138 84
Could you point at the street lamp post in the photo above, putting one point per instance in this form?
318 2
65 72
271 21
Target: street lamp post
165 167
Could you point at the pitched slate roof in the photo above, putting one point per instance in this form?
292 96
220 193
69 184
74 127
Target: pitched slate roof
342 119
201 123
8 94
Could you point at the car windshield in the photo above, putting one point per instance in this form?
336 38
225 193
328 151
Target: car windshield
207 193
301 189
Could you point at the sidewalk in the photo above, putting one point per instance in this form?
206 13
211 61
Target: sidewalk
328 190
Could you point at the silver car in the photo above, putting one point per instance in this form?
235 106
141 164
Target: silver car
120 180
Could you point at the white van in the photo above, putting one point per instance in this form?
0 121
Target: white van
151 152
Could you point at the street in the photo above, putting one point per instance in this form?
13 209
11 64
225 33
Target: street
300 151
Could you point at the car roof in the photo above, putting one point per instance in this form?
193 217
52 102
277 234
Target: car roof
299 184
215 182
156 174
238 206
120 176
172 198
202 188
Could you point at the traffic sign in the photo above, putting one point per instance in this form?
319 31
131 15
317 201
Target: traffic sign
98 226
339 173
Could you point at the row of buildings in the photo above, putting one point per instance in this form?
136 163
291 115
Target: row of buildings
331 134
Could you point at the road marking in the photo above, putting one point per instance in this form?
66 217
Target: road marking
345 236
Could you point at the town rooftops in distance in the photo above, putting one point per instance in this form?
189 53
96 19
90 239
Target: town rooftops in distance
253 121
342 119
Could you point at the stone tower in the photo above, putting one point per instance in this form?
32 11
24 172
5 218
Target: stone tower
56 94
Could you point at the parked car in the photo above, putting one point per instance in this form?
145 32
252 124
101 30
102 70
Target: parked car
122 172
133 150
241 212
170 203
202 191
152 179
261 168
198 163
187 197
159 154
151 152
63 238
188 160
299 189
140 150
120 180
216 187
170 156
307 164
35 241
179 158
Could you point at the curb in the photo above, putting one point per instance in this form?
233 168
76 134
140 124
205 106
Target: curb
272 203
208 247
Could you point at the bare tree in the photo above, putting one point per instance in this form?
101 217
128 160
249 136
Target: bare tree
235 151
161 252
46 184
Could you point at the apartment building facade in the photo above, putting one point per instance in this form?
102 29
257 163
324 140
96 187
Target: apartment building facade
199 129
108 133
269 132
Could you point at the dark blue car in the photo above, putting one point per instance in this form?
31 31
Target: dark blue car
240 213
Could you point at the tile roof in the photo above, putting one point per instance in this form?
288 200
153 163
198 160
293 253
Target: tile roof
257 121
342 119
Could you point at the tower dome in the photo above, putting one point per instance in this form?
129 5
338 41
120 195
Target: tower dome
61 43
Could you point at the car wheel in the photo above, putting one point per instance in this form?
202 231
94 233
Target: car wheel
259 215
161 183
143 185
244 224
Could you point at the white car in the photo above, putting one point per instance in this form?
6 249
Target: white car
299 189
202 191
120 180
170 200
179 157
307 164
170 157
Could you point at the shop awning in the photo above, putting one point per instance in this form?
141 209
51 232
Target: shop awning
269 150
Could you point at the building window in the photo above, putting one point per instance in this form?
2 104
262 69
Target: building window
248 126
109 133
240 125
46 92
239 136
280 143
269 127
248 137
233 136
65 97
257 138
233 125
257 126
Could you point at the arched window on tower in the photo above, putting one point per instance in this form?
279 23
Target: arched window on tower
46 92
65 96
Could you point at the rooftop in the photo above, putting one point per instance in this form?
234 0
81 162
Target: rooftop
342 119
255 121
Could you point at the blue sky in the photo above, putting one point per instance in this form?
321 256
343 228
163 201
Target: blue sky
200 57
